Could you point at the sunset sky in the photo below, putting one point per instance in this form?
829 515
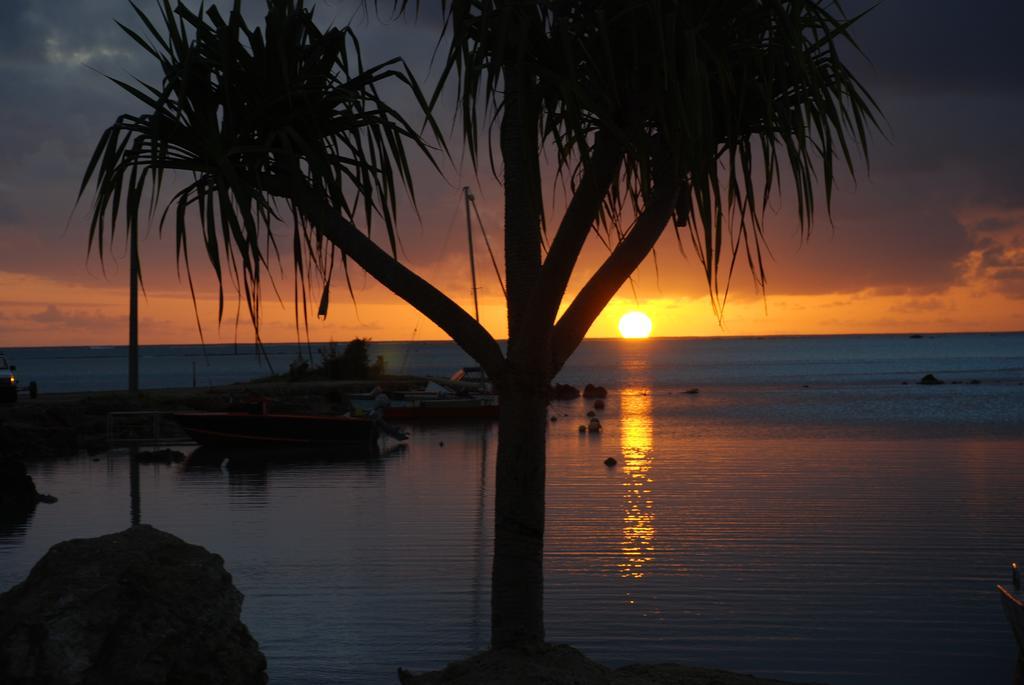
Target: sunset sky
931 240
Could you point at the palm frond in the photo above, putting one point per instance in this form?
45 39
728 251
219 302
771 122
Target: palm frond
724 93
238 109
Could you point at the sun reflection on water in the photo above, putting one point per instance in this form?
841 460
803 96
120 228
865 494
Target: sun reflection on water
637 443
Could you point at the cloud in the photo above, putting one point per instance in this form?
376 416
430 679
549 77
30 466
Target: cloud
53 315
947 74
918 305
941 45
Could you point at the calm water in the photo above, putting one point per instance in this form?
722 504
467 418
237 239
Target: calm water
849 531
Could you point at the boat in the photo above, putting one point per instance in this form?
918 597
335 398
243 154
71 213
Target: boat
246 429
426 404
466 399
467 395
442 408
1013 607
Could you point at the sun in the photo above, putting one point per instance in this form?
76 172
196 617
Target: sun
635 325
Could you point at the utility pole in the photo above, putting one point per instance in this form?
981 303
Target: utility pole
472 261
133 310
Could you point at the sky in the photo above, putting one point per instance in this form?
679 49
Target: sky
931 239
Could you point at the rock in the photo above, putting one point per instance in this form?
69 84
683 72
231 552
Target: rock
18 494
140 606
598 404
915 336
610 461
553 419
929 379
561 391
694 391
591 414
564 665
594 391
583 429
594 426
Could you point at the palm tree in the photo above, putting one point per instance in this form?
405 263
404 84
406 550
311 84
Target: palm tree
659 113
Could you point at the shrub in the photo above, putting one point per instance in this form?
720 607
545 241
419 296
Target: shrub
352 363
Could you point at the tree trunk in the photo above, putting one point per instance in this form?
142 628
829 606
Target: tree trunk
517 580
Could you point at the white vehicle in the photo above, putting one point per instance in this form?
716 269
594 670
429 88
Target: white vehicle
8 381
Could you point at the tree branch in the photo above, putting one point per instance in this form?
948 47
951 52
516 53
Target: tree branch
431 302
607 280
580 215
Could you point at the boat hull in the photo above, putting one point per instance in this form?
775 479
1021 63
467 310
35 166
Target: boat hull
230 429
477 412
1013 607
412 408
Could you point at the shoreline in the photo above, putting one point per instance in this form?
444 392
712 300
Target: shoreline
57 425
911 333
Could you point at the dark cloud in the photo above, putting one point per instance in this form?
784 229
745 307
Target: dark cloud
1002 265
10 213
20 38
948 75
995 225
942 45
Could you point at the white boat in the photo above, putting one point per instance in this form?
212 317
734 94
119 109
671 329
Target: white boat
467 398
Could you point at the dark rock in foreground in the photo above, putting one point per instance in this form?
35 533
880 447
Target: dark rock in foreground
18 495
929 379
140 606
563 665
595 392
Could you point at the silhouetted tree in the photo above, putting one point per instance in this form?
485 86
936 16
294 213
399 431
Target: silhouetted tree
350 363
658 114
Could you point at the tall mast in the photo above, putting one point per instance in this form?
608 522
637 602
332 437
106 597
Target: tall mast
133 311
472 262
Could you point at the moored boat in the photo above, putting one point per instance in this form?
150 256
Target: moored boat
467 395
238 429
1013 607
427 405
454 408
